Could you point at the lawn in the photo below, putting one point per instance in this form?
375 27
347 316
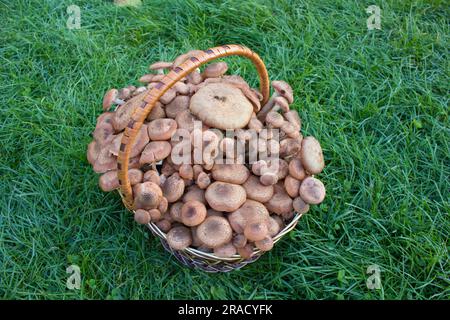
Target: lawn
376 99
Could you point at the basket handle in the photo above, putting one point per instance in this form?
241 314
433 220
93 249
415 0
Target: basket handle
149 101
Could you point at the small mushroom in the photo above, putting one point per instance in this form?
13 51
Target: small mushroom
239 240
194 78
273 225
246 252
155 151
203 180
157 112
163 205
160 66
135 176
225 251
274 119
123 114
280 202
289 147
222 196
124 93
147 195
185 120
182 58
291 185
168 96
256 231
186 172
176 106
312 190
164 225
255 124
265 244
161 129
282 89
111 97
293 117
109 181
300 206
296 169
142 216
103 133
175 211
197 170
222 106
268 178
193 213
194 193
152 176
280 103
215 70
250 211
258 166
232 173
155 214
290 130
214 231
256 190
105 160
311 155
173 188
179 238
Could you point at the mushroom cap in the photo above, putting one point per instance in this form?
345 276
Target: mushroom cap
274 119
161 129
173 188
182 58
222 106
256 231
193 213
226 250
214 231
160 65
194 193
186 171
214 70
312 190
103 133
157 112
163 205
311 155
135 176
296 169
256 190
105 160
147 195
265 244
283 89
300 206
177 105
291 185
123 114
293 117
152 176
185 120
259 166
289 147
109 98
268 178
250 211
203 180
140 142
280 202
232 173
155 214
282 103
223 196
273 225
142 216
246 252
175 211
155 151
109 181
239 240
179 238
164 225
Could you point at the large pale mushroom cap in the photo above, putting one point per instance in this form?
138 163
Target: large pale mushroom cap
222 106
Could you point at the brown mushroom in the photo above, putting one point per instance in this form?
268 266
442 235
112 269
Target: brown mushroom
161 129
193 213
152 176
123 114
142 216
225 251
155 214
111 97
293 117
186 171
105 160
239 240
135 176
214 231
215 70
163 205
300 206
160 66
290 129
265 244
179 238
175 211
155 151
164 225
256 190
273 225
256 231
232 173
246 252
203 180
291 185
290 147
185 120
103 133
222 106
173 188
157 112
176 106
147 195
250 211
109 181
274 119
280 202
223 196
311 155
194 193
312 190
296 169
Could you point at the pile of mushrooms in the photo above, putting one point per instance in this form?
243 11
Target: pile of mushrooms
226 203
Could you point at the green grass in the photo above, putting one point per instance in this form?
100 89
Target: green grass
377 100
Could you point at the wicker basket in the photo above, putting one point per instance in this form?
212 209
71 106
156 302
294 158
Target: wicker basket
190 256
